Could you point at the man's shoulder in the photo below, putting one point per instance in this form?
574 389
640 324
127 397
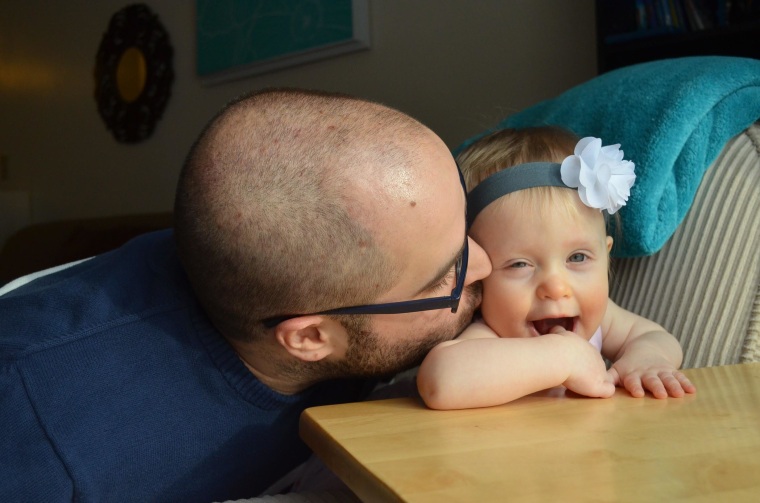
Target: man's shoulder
121 286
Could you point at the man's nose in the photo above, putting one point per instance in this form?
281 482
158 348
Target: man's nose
479 265
553 286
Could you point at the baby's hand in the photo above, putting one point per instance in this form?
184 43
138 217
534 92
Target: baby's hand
654 374
588 373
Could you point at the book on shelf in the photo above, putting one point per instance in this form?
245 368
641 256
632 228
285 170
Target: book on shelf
636 19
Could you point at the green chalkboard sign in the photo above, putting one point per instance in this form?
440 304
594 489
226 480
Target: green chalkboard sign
236 38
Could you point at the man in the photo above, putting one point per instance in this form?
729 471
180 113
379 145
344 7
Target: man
176 367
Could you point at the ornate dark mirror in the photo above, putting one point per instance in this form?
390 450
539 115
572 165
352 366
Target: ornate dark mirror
133 73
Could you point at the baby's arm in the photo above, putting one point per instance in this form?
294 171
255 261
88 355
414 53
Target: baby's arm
645 355
479 369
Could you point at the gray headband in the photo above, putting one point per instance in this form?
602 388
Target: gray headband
506 181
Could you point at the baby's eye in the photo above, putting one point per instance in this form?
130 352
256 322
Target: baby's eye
578 257
518 265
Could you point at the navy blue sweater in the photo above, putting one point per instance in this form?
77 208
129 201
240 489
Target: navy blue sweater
114 386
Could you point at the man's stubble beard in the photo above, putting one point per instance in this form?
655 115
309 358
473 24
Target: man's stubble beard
369 355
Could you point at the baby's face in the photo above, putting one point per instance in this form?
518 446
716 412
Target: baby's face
549 268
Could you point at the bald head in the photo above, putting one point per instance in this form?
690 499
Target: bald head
279 205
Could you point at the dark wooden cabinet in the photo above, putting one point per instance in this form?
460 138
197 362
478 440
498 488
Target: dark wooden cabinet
635 31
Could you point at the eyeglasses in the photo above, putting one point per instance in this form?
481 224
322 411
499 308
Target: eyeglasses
406 306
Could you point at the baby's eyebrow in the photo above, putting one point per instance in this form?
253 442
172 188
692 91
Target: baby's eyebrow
443 272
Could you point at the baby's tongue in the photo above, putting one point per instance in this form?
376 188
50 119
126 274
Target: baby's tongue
543 327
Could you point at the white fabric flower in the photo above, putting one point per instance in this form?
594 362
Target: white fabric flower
602 176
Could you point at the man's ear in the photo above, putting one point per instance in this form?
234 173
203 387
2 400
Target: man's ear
310 338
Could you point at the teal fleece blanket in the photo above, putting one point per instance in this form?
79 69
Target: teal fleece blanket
672 118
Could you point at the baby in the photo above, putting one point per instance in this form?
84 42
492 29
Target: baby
539 209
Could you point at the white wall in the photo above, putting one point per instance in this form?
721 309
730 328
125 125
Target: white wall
458 66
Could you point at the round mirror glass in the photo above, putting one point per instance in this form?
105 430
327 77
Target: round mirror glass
131 74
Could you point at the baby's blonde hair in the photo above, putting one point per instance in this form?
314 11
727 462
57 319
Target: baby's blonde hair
507 148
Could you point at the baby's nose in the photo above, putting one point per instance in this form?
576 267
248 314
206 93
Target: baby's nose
554 287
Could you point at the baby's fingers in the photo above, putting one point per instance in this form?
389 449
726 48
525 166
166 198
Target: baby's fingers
650 381
669 383
635 385
683 383
661 384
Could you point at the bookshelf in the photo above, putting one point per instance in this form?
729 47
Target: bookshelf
635 31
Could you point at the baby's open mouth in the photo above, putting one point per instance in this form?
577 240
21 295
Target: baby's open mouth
543 327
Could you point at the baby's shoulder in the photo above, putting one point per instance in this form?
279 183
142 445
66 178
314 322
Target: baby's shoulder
477 330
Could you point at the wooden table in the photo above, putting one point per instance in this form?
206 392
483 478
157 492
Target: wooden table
553 447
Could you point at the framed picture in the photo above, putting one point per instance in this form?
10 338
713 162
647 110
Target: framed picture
239 38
